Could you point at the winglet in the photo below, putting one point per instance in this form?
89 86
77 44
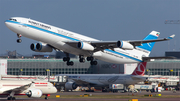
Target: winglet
171 37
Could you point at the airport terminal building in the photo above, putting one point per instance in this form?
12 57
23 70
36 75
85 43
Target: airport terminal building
57 66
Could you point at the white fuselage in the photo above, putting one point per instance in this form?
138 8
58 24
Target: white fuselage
99 80
45 87
57 37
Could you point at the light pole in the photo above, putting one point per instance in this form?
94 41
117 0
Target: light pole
171 71
148 71
21 70
48 74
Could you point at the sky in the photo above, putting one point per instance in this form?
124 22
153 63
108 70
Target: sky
107 20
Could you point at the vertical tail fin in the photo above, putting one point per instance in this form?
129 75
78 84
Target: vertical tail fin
140 69
148 46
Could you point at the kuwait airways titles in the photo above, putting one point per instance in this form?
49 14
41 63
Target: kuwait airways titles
39 25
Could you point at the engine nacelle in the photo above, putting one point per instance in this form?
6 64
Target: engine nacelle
70 85
39 47
125 45
36 93
33 47
85 46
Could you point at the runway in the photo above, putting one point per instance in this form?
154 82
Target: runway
105 96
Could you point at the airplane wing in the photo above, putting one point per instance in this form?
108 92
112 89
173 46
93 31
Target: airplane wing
138 43
98 45
146 59
101 45
16 89
83 82
138 78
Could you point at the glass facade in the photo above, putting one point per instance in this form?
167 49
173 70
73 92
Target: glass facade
39 67
57 66
163 67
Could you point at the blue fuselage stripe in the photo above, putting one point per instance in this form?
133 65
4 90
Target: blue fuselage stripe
123 55
44 30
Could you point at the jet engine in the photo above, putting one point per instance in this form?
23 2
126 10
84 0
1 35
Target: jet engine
37 93
70 85
39 47
85 46
125 45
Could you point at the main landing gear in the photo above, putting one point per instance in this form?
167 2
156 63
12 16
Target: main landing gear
46 96
81 60
11 98
19 40
92 60
67 60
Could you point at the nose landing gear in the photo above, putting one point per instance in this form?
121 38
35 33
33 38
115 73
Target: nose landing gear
19 40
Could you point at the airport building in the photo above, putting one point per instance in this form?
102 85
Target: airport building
164 67
57 66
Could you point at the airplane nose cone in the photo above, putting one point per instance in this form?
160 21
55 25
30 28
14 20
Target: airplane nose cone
7 23
55 90
10 25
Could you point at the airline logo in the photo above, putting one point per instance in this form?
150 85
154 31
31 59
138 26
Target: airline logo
114 66
114 85
157 34
140 69
39 84
113 79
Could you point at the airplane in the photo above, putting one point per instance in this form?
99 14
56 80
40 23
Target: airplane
59 39
34 89
104 80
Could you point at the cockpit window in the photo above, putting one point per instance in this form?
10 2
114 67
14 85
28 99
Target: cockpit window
13 19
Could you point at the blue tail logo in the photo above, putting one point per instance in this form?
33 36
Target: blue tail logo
148 46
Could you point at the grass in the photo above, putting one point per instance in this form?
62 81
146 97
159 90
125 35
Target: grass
116 96
107 96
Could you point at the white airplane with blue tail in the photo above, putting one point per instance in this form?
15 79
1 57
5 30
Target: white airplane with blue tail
51 37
